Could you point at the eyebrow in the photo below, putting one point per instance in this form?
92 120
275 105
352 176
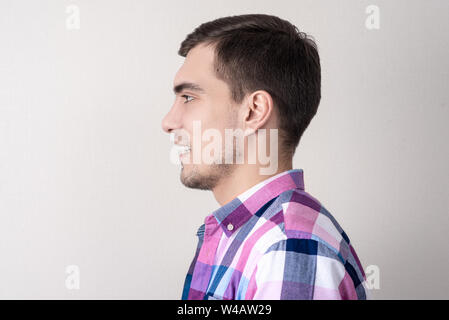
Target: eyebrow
187 85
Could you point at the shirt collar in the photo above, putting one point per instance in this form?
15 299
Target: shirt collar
237 212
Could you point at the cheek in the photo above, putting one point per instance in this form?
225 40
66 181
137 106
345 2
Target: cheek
192 116
209 115
206 113
222 116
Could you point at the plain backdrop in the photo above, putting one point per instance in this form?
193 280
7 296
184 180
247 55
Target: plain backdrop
85 176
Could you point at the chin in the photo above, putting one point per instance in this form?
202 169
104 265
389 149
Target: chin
195 178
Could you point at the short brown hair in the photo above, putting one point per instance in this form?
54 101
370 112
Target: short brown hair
263 52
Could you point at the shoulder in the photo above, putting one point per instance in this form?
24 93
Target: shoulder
305 226
305 218
310 243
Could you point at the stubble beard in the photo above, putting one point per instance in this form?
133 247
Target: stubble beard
212 174
207 180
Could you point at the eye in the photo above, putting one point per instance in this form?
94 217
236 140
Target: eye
187 96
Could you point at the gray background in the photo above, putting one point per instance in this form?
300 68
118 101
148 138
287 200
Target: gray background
85 177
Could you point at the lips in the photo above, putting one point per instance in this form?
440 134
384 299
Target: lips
182 149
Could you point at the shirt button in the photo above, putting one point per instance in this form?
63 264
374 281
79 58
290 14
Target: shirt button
230 227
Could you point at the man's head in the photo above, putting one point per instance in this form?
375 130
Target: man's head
246 72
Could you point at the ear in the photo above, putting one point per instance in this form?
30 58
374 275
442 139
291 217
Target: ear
259 109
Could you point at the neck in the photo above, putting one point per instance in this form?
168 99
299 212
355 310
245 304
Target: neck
242 178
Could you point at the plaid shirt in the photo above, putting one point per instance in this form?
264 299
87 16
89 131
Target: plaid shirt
274 241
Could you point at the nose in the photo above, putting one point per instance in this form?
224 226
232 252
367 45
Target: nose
172 120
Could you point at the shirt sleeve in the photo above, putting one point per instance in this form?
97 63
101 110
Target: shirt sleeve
292 269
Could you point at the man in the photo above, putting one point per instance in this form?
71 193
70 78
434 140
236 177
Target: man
256 74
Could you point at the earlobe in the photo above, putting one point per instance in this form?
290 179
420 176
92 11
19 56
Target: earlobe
248 132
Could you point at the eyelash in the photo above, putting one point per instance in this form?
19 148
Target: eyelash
185 96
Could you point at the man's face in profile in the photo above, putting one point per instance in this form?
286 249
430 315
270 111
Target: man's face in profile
207 101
